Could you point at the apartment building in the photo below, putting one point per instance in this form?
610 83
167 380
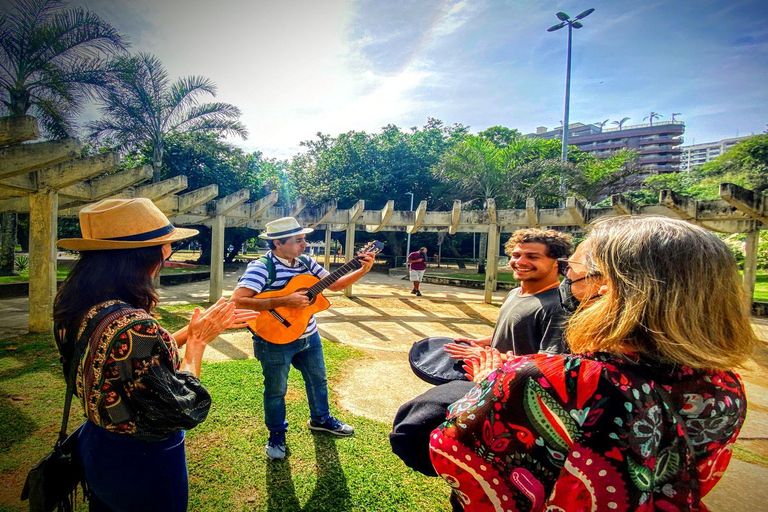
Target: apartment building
657 144
697 155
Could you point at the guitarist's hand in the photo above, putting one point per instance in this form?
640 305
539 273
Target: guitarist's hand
367 260
296 300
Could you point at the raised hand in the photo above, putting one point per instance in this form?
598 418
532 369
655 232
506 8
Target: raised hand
367 260
207 325
241 318
461 351
479 368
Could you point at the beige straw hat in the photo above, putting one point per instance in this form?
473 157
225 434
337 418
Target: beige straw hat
283 228
124 224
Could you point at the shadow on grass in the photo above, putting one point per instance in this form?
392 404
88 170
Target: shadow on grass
330 492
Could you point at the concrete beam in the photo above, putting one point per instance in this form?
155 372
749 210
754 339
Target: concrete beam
298 207
684 207
532 210
325 212
386 213
15 160
107 186
226 204
491 209
421 210
623 205
177 205
74 171
162 189
455 217
577 210
23 183
354 213
15 205
246 214
14 130
753 205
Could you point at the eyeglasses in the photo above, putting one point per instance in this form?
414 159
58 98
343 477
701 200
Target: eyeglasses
565 266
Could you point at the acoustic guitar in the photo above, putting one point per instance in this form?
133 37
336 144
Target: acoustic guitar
283 325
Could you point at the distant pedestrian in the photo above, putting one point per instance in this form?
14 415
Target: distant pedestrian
418 264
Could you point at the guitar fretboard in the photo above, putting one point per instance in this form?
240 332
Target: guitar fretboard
317 288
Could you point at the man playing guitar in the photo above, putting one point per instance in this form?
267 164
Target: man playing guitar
284 261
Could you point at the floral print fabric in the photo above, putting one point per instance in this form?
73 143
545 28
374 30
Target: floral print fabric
589 432
128 378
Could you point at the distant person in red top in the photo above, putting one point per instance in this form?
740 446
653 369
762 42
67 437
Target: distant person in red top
418 263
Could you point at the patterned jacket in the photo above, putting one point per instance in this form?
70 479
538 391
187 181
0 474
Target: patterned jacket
128 378
590 432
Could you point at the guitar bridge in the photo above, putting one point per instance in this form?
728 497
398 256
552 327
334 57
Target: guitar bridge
280 318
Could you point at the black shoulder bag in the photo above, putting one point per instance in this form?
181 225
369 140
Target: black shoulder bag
52 483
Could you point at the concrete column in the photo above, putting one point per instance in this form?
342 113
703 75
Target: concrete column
217 258
492 262
327 255
750 264
349 251
43 222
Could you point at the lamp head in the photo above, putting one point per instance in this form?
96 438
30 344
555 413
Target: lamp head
556 27
584 14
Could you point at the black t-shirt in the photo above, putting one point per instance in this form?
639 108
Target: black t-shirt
529 324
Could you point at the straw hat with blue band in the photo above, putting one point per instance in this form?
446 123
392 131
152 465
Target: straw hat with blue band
124 224
283 228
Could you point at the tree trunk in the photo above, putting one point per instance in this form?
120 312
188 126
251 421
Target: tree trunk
482 253
157 161
7 244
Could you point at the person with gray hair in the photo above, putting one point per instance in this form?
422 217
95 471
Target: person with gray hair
644 414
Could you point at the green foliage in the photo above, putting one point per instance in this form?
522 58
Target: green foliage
373 167
22 263
500 136
141 107
745 164
51 61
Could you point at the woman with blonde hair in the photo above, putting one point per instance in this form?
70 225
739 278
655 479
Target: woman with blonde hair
643 415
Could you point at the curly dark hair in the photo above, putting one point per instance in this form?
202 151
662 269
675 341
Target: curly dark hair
559 245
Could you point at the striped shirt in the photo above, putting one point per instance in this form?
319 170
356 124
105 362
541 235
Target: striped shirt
256 274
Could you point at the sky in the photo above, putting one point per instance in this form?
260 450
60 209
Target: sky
299 67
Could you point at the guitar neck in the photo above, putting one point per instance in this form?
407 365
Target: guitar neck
334 276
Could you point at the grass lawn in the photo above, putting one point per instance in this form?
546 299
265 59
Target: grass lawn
227 466
761 287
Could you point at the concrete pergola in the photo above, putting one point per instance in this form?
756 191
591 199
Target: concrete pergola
48 180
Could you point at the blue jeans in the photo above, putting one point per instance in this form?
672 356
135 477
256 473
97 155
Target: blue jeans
126 474
306 355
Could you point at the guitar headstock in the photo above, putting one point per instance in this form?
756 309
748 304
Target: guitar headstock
373 247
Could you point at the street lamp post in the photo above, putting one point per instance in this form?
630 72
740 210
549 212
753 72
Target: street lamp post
572 23
408 244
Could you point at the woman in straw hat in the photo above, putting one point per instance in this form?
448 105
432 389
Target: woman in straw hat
644 415
138 395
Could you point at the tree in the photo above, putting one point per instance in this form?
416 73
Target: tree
621 123
50 62
652 116
141 106
675 114
602 124
501 136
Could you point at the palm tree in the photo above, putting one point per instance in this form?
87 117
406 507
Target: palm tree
51 59
141 106
621 123
653 116
601 125
675 114
478 169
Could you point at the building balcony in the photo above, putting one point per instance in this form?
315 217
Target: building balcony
670 159
599 146
658 140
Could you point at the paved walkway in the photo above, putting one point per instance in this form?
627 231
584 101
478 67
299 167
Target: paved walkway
383 320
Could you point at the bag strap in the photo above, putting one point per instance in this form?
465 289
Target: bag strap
59 334
271 274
